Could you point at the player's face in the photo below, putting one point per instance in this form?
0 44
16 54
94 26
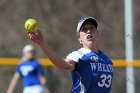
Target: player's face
88 34
28 55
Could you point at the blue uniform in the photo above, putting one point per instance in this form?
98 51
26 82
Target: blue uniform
93 72
30 71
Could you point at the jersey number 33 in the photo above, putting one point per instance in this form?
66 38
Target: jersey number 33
105 81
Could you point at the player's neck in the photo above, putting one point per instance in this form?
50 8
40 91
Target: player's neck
92 47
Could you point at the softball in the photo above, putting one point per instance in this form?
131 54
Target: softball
30 25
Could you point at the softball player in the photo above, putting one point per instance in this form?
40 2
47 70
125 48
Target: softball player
91 69
31 71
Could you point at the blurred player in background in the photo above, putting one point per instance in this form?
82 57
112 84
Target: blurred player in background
91 69
31 71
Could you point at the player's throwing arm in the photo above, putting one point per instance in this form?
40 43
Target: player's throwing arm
37 37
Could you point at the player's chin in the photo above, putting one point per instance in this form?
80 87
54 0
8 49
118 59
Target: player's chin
88 42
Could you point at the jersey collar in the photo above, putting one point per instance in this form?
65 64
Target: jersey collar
85 50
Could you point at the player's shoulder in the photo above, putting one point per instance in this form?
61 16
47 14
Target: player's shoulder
81 51
76 55
21 63
35 61
102 53
107 57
